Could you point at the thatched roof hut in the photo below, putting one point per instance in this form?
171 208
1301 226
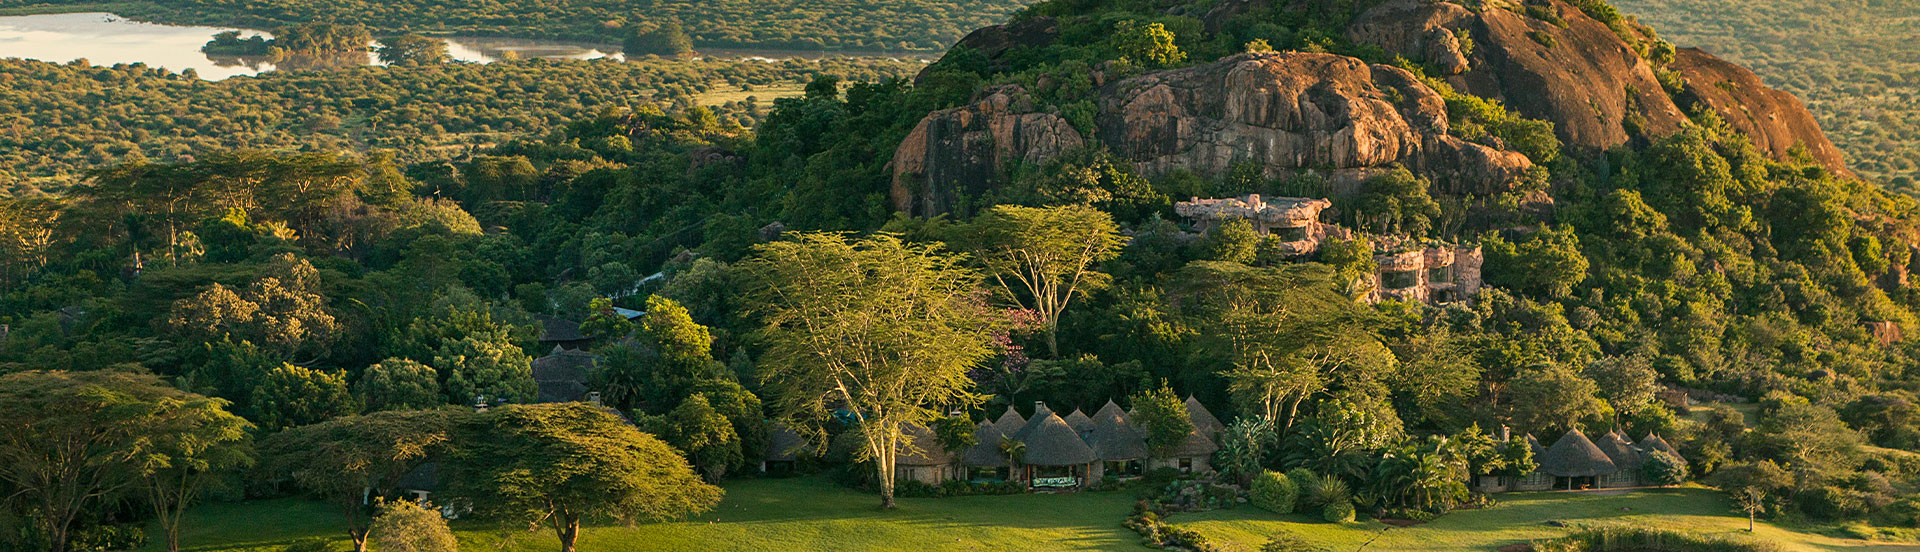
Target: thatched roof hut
1654 442
1203 419
985 451
1620 451
783 444
1051 442
1575 456
1010 420
1539 450
562 375
1195 446
1080 422
925 449
1113 409
1113 439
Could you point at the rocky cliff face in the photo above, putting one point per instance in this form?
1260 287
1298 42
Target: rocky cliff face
961 150
1583 77
1775 120
1286 111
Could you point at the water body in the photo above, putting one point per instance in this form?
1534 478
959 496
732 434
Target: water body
106 39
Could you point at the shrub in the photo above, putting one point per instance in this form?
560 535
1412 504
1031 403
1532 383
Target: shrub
1321 490
406 526
308 545
1338 512
915 489
1831 503
1664 469
1161 476
1274 492
1286 541
108 537
1607 539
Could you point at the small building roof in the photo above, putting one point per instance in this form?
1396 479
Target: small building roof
1654 442
1080 422
555 329
1112 438
1010 420
1114 409
924 449
1203 420
562 375
783 444
1576 456
1051 442
985 451
1620 451
1538 449
1194 446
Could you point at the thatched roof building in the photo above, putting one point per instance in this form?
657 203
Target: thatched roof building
1538 449
1620 451
985 451
1653 442
1010 421
562 375
1203 420
783 444
919 447
1195 446
1114 409
1080 422
1113 439
1051 442
1575 456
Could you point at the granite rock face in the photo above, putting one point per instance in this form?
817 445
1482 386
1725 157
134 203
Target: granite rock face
1286 111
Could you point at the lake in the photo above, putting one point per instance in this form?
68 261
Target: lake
106 39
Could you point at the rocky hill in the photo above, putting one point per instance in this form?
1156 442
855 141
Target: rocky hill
1601 80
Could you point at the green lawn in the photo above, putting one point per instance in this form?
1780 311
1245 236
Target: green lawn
813 514
1523 517
767 514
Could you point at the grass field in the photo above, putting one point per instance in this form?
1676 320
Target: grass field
813 514
720 93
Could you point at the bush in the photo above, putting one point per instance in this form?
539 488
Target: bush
1161 476
1321 490
1338 512
1829 503
1664 469
1274 492
915 489
108 537
1609 539
1286 541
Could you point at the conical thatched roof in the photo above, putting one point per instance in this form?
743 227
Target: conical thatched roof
1575 456
1112 439
1010 420
1203 420
1113 409
1538 449
1040 412
1051 442
1620 450
1654 442
926 449
985 451
1080 422
783 445
1195 445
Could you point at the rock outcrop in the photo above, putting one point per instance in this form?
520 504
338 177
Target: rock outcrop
961 150
1286 111
1582 76
1775 120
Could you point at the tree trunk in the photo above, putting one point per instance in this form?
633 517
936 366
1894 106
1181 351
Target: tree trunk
569 532
1749 522
359 540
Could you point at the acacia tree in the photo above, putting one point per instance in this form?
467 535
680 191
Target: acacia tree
343 459
881 328
556 464
195 439
69 440
1040 259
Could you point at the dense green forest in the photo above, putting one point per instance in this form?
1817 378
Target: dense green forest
1856 64
60 120
873 25
327 296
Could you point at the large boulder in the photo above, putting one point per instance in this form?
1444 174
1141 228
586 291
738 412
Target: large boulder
1775 120
960 151
1582 77
1286 111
